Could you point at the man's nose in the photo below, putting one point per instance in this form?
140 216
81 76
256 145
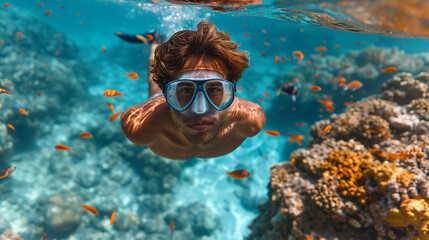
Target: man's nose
200 104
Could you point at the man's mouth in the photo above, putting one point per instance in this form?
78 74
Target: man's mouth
200 126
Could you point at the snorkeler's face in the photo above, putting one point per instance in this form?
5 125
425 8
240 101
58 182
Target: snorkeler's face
200 129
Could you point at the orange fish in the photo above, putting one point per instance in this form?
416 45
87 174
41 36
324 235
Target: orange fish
112 93
20 34
91 209
58 35
296 138
112 217
104 48
277 59
264 31
300 124
7 172
10 126
389 70
272 133
77 14
266 43
320 49
315 88
172 227
309 62
263 54
41 4
266 94
114 116
395 156
291 133
298 55
110 106
238 174
374 130
353 85
282 39
45 235
133 75
5 91
328 104
317 75
2 41
85 135
7 5
48 13
23 111
39 93
63 147
260 100
247 34
326 129
57 52
239 89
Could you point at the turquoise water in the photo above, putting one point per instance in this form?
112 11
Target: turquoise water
109 172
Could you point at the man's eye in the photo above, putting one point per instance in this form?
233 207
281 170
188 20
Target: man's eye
186 90
213 90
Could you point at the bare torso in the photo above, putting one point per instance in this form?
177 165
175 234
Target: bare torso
151 124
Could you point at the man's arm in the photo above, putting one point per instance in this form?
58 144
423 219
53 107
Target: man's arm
250 117
142 123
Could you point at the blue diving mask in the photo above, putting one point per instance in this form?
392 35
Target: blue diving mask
199 93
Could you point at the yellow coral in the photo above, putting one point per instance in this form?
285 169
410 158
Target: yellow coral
383 172
410 211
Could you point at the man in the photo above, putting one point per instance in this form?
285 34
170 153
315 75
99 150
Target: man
192 111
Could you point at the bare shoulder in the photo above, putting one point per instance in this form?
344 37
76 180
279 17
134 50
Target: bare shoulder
141 123
250 116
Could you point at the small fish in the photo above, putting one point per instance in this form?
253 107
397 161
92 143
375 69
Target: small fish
298 55
266 94
353 85
112 217
45 235
91 209
10 126
2 41
77 14
24 112
315 88
20 34
172 228
328 104
266 43
7 5
238 174
389 70
309 62
41 4
48 12
284 85
264 31
272 132
296 138
320 49
57 52
394 156
104 49
277 59
317 75
282 39
63 147
239 89
7 172
300 124
58 35
114 116
292 90
373 130
133 75
112 93
39 93
110 106
85 135
5 91
247 34
326 129
263 54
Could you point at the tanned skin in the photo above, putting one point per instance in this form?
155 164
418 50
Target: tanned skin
168 133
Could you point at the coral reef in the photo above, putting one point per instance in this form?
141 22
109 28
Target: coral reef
365 179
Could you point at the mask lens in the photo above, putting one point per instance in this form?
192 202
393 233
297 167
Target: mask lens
220 93
179 94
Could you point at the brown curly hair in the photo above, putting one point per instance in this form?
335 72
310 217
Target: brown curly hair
207 43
